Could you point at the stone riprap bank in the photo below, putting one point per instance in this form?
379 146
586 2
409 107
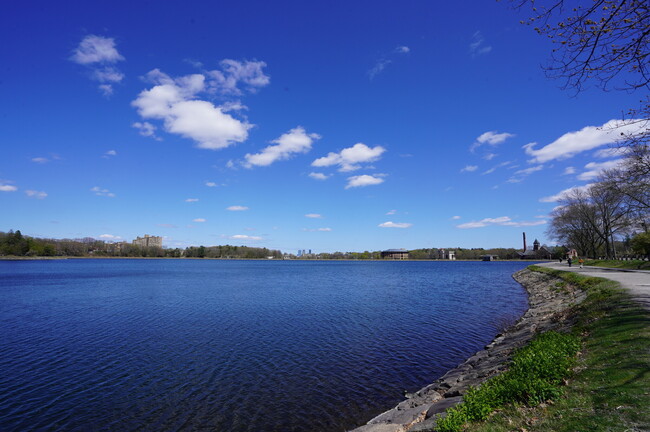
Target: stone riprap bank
549 300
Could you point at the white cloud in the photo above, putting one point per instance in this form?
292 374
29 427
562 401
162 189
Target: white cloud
191 200
455 217
111 153
7 188
40 160
96 49
390 224
318 176
167 225
563 194
594 169
490 156
528 171
569 170
237 208
102 192
210 184
587 138
109 237
99 53
146 129
477 46
233 73
294 141
244 237
391 212
199 220
313 216
491 138
363 180
350 158
174 102
502 221
469 168
36 194
608 153
317 229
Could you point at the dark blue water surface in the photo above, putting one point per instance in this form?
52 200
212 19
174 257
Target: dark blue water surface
155 345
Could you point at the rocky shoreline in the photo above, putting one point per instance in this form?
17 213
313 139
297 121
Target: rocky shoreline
549 299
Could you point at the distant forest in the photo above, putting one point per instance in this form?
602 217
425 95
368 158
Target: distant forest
15 244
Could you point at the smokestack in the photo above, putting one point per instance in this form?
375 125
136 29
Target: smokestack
524 242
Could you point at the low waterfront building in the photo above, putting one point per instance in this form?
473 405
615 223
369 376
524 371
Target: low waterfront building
446 254
489 257
395 254
148 241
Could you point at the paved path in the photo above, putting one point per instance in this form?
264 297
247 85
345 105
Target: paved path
637 282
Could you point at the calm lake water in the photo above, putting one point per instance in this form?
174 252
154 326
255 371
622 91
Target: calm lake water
154 345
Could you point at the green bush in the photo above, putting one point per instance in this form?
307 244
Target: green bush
535 375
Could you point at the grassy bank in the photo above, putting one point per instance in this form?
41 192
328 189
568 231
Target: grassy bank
609 387
632 265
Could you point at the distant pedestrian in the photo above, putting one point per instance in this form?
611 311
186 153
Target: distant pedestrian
581 261
569 261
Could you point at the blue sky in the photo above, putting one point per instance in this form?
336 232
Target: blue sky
291 125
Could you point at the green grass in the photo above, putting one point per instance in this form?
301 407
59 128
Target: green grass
609 385
535 375
633 265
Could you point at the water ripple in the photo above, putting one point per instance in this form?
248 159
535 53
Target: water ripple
236 346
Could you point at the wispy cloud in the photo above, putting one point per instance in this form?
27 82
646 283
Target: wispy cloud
390 224
199 220
318 176
167 225
594 169
349 158
502 221
569 170
40 160
314 216
492 139
295 141
455 217
564 193
587 138
191 200
102 192
387 59
35 194
469 168
109 237
317 229
520 175
99 54
237 208
391 212
364 180
146 129
244 237
210 184
478 46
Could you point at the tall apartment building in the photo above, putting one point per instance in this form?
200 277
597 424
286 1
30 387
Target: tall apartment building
148 241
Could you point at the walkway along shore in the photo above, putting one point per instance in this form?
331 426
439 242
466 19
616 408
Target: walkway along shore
548 305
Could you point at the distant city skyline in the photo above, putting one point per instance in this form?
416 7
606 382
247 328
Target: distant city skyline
341 126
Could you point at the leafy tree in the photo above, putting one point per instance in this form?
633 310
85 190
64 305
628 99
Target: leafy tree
600 42
641 243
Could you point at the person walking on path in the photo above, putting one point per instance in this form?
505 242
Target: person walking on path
581 261
569 261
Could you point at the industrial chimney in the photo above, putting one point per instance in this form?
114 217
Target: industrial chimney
524 242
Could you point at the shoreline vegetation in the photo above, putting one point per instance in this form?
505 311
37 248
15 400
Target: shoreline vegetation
587 326
15 245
